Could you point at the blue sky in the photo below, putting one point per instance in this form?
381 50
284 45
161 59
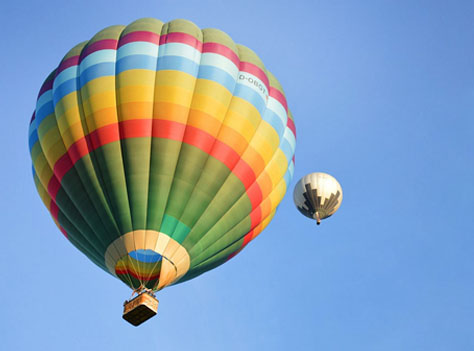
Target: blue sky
383 97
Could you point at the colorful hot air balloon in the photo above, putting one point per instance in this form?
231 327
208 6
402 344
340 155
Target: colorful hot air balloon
161 150
318 196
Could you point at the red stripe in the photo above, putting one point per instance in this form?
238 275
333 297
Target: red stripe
61 167
103 44
63 231
256 71
255 217
168 130
224 152
161 129
277 95
136 275
54 210
255 194
196 137
69 62
183 38
53 187
146 36
247 239
221 50
245 173
136 128
290 124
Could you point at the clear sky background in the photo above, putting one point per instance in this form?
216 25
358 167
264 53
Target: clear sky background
383 97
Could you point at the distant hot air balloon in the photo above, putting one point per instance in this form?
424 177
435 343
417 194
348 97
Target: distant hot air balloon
161 150
318 196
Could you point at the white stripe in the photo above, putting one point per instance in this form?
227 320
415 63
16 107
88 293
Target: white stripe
253 82
100 56
178 49
290 137
137 48
275 106
219 61
68 73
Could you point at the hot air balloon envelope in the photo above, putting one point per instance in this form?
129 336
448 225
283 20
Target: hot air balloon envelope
318 196
161 150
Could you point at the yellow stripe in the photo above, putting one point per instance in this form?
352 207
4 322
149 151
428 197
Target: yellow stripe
242 124
173 94
209 105
98 86
134 77
175 78
133 93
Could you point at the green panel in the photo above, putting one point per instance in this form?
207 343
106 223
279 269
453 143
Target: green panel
108 163
164 157
78 240
98 202
213 175
81 214
112 32
136 156
182 26
213 261
219 238
228 207
187 173
144 24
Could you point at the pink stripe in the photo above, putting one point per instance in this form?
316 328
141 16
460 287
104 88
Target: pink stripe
69 62
183 38
277 95
290 124
48 85
222 50
62 166
98 45
256 71
63 230
149 37
54 210
53 187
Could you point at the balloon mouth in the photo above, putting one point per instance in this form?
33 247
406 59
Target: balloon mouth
141 268
147 259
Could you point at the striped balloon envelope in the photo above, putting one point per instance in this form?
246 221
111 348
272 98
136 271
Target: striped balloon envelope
161 150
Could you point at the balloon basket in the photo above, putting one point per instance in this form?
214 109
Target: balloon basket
140 309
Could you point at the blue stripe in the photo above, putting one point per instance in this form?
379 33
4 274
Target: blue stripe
178 63
136 62
275 121
251 96
64 89
287 177
44 111
146 256
217 75
96 71
33 139
287 149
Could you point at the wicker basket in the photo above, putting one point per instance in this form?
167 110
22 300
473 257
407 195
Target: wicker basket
140 309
